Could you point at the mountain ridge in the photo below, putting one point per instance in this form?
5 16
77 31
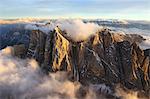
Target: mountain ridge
100 59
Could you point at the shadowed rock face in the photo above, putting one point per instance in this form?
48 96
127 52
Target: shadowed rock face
37 46
100 59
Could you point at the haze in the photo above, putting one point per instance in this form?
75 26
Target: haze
109 9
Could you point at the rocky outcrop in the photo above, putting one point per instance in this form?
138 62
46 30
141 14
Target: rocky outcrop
128 37
102 58
37 46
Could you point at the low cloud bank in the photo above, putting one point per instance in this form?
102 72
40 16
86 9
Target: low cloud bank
20 20
23 79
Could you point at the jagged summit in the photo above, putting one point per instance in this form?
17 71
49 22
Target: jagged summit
103 58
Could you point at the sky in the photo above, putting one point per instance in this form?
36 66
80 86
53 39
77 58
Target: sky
107 9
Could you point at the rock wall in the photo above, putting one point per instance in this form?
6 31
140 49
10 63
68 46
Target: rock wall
103 58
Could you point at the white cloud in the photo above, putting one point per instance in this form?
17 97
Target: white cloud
22 79
77 30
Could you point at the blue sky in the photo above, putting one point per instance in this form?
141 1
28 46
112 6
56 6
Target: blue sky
112 9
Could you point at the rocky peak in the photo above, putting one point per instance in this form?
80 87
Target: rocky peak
60 53
102 58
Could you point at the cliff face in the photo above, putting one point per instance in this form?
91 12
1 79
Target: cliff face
103 58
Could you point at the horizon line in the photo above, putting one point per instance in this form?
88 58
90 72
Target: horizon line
49 18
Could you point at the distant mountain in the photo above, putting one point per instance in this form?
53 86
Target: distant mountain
12 34
7 27
145 25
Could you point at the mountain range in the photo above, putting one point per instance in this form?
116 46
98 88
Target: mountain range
112 55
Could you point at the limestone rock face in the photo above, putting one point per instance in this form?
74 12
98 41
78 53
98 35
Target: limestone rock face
60 53
103 58
37 45
20 50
